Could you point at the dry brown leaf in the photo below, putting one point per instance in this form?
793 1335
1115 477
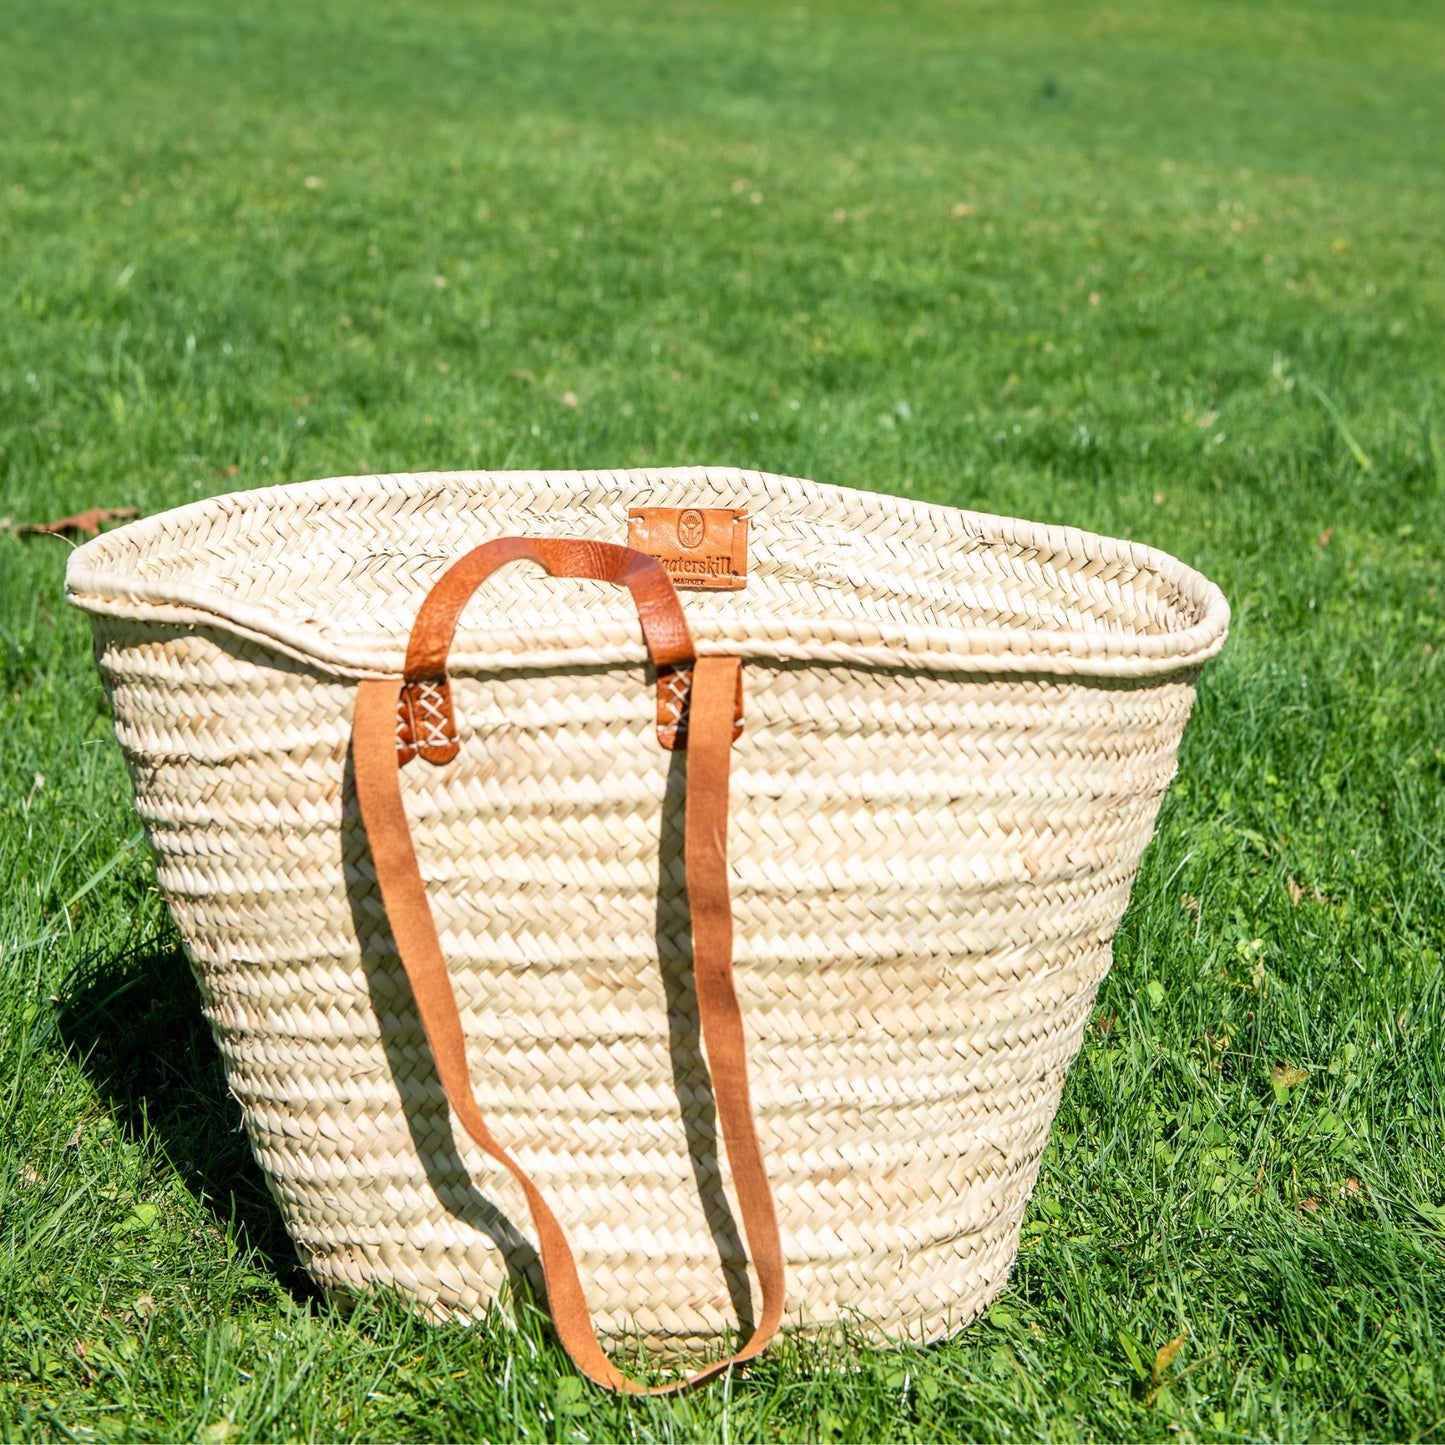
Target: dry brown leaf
1298 894
1325 536
1285 1076
1351 1189
1190 904
88 523
1166 1355
1308 1206
1104 1023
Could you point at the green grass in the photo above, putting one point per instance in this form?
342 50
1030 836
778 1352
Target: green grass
1170 272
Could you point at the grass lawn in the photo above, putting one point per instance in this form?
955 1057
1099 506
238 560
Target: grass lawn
1169 272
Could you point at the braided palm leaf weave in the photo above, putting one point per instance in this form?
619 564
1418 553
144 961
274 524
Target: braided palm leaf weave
958 732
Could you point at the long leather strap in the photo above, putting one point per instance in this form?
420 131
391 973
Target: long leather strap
711 726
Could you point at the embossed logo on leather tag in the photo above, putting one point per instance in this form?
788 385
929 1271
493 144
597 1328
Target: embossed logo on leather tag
704 549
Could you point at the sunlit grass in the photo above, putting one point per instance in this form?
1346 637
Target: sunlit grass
1164 272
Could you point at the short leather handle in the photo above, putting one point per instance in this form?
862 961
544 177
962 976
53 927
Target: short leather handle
379 746
427 720
664 628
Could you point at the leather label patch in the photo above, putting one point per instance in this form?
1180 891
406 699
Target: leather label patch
705 549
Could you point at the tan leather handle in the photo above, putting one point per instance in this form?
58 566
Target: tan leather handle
428 723
664 628
380 744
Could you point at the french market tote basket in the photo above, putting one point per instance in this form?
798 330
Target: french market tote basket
710 953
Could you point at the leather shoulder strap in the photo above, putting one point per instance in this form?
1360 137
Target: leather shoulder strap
712 709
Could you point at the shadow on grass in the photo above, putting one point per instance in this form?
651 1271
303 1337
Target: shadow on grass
133 1023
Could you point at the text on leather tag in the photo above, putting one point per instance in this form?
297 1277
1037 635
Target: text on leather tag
703 548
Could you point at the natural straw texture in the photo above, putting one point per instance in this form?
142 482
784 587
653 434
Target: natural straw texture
958 731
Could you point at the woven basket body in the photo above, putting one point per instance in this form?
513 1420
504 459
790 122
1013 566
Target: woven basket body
958 732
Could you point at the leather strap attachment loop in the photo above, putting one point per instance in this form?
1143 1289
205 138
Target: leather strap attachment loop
674 705
425 723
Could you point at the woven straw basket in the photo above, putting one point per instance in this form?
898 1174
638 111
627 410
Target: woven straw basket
476 970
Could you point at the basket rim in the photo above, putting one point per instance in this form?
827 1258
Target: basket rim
97 582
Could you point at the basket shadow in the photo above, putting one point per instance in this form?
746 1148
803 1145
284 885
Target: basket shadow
424 1102
428 1114
133 1024
690 1078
